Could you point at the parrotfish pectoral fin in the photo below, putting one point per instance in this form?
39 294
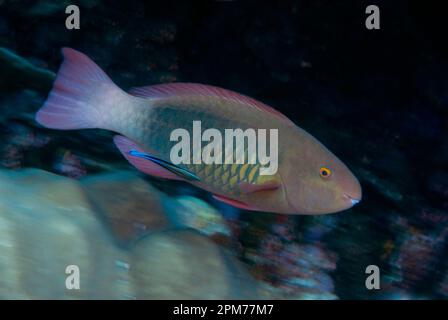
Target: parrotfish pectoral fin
234 203
79 95
149 164
167 165
246 187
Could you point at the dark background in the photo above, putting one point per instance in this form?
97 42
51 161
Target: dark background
376 98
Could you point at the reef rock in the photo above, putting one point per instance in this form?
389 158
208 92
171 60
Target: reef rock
48 223
179 264
18 72
127 203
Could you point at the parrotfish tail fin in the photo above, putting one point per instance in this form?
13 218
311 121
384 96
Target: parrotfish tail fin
81 96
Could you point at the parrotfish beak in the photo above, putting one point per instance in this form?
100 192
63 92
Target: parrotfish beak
353 199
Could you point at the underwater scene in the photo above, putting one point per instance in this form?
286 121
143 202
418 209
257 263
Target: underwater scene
290 150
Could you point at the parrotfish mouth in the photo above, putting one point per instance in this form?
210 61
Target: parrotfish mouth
352 200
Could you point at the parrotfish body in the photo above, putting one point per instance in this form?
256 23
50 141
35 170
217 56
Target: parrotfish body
309 179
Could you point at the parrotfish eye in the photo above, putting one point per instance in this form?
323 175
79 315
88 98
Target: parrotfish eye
325 172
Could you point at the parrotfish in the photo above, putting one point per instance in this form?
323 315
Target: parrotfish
309 179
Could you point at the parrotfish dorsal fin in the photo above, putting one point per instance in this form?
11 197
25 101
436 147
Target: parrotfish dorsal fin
149 164
247 187
183 89
233 202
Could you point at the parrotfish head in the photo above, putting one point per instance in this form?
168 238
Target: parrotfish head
315 181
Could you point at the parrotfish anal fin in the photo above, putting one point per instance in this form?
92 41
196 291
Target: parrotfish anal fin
233 202
247 187
149 164
184 89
